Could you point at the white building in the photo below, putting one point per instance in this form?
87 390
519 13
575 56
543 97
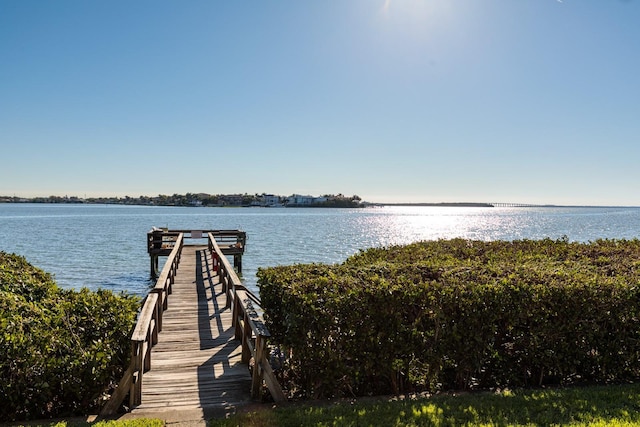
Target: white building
300 200
270 200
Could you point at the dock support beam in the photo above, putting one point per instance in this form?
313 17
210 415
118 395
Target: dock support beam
154 266
237 263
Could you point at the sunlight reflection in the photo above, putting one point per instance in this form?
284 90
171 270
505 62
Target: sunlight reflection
401 225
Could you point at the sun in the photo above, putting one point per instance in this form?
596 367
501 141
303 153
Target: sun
418 8
417 15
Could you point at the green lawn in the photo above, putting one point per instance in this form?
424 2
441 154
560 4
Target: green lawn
592 406
142 422
617 405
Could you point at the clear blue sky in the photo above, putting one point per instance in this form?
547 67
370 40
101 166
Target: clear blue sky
532 101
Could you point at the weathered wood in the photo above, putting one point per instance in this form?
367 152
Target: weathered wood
119 394
148 325
247 335
248 326
163 286
256 382
272 383
196 362
135 395
144 318
160 243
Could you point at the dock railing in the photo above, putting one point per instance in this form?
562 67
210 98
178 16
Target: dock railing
160 242
145 333
248 324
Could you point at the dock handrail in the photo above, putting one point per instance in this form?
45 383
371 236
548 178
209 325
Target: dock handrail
249 326
145 333
160 242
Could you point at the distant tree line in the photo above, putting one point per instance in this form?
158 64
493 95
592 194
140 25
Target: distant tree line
203 199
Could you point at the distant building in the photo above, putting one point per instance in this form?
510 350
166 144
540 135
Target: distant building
270 200
299 200
231 199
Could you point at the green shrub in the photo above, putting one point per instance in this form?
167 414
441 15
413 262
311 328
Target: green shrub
458 314
61 349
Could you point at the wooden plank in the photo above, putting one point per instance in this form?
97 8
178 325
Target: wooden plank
120 393
274 386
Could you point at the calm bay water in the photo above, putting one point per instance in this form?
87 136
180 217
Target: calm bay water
104 246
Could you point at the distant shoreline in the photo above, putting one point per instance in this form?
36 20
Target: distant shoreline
128 201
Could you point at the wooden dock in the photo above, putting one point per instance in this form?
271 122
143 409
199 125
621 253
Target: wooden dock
197 362
160 242
198 333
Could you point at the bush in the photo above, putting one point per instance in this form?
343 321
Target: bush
458 314
61 349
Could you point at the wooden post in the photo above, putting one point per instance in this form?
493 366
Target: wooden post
237 262
256 382
153 332
135 397
160 307
236 315
247 335
171 280
225 289
153 269
146 356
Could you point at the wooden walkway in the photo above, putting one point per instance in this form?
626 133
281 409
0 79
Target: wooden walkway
197 362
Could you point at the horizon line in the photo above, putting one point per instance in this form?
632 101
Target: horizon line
77 199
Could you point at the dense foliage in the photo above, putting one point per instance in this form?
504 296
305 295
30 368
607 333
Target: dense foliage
458 314
61 349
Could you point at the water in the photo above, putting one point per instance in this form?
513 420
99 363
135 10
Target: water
104 246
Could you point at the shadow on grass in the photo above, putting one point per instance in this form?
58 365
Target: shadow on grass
607 405
141 422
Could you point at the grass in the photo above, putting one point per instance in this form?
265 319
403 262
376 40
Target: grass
617 405
138 422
